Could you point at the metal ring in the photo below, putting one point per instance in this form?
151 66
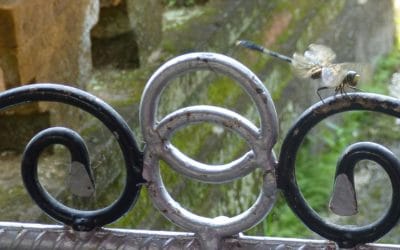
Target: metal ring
157 135
267 135
79 220
204 172
345 237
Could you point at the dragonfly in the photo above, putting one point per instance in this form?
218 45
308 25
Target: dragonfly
316 63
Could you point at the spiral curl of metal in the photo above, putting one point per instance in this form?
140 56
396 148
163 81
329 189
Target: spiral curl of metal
79 220
343 236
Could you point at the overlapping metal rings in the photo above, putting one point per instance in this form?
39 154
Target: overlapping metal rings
158 147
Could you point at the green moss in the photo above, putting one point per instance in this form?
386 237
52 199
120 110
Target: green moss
318 23
277 80
120 87
217 92
176 18
181 3
198 135
277 75
386 66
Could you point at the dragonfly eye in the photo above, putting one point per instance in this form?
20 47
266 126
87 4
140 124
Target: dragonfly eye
356 79
352 78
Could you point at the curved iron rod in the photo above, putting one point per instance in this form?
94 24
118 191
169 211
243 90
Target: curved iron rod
78 219
286 179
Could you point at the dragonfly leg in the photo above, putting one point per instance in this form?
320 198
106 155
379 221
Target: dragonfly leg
341 89
355 88
319 89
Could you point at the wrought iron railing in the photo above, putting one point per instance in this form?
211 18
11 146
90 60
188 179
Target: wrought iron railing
85 229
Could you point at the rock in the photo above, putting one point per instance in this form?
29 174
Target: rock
127 33
18 136
39 42
2 82
113 39
355 37
146 20
113 20
108 3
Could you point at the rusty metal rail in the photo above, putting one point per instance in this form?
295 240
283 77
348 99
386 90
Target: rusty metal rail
85 229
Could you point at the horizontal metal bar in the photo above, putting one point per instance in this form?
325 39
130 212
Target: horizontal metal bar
39 236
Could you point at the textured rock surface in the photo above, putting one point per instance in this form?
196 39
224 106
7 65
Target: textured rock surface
127 33
146 20
42 41
46 41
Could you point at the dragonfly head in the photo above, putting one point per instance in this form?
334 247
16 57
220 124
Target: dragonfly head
352 78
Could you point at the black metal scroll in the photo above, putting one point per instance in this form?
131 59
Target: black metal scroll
344 236
79 220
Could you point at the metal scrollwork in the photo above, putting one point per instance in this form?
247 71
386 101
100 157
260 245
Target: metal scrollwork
157 135
143 168
344 236
79 220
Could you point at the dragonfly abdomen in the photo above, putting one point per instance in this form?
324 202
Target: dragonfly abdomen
253 46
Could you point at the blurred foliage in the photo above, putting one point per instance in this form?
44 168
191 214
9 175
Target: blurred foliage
385 69
330 139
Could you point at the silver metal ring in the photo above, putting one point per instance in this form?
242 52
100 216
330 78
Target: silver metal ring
158 146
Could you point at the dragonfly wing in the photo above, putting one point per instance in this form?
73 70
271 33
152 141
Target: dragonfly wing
333 75
320 54
302 66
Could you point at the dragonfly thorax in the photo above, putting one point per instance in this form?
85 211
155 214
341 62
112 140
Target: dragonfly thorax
351 78
316 73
